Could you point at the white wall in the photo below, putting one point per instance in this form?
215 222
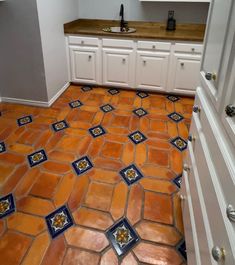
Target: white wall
144 11
21 61
52 15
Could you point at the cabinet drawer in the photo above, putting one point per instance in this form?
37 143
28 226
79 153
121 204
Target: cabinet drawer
74 40
114 43
153 45
188 47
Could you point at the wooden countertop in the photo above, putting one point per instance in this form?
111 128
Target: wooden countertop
144 30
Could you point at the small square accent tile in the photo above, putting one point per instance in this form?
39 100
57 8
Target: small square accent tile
137 137
60 125
86 88
131 174
140 112
178 181
113 91
107 108
179 143
2 147
122 237
173 98
175 117
59 221
142 94
75 104
7 205
97 131
82 165
182 249
24 120
37 158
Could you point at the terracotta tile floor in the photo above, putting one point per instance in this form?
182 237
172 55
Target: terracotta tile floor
96 195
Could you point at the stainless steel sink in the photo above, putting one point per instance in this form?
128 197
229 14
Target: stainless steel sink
118 30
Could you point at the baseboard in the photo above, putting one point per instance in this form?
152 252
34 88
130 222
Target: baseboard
44 104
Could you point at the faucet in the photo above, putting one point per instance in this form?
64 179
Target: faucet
122 22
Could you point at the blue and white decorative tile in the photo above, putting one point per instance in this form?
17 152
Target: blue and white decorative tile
82 165
24 120
182 249
179 143
176 117
137 137
142 94
178 181
75 104
59 221
131 174
97 131
107 108
2 147
173 98
140 112
122 237
86 88
60 125
7 205
37 158
113 91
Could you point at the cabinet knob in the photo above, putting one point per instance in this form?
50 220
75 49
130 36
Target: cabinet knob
218 253
123 60
210 76
89 57
82 42
144 62
154 46
191 138
196 109
230 110
231 213
182 64
186 167
193 49
182 197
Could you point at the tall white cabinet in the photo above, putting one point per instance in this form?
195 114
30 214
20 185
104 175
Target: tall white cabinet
208 189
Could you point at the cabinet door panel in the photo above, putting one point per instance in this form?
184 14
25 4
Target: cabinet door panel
152 70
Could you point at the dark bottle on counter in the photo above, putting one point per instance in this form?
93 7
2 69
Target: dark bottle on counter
171 23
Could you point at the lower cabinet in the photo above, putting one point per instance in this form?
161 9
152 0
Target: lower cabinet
151 70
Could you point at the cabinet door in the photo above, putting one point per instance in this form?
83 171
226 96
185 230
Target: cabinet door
184 76
118 67
151 71
85 65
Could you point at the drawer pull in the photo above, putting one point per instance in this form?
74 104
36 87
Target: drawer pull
218 253
231 213
196 109
210 76
186 168
230 110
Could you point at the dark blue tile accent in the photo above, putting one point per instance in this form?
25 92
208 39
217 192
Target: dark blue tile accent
97 131
82 165
137 137
37 158
107 108
142 94
24 120
7 205
173 98
176 117
113 91
131 174
2 147
182 249
179 143
122 237
60 125
86 88
59 221
75 104
177 181
140 112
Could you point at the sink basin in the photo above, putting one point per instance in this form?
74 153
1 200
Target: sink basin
118 30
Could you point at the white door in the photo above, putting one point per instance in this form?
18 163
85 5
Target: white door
184 77
85 65
151 70
118 67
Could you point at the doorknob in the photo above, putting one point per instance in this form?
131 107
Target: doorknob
210 76
230 110
231 213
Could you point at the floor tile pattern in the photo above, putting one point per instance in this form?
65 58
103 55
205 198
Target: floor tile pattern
82 173
7 205
2 147
137 137
60 125
97 131
24 120
176 117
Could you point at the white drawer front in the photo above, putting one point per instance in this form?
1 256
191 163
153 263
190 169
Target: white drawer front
74 40
153 45
115 43
188 47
